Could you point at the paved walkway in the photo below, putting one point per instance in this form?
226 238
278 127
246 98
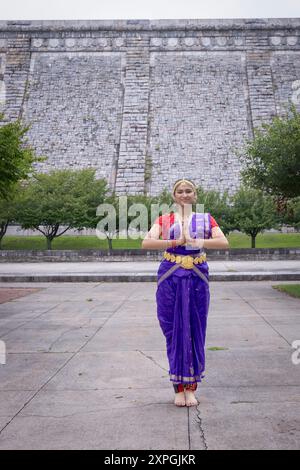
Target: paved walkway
86 369
115 271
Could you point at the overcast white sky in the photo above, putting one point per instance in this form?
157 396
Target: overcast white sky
146 9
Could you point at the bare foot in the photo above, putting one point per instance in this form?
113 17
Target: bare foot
179 399
190 399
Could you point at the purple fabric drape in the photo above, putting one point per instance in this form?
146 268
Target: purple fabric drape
183 299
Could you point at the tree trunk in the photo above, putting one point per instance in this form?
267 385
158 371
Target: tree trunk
3 230
109 244
253 241
49 240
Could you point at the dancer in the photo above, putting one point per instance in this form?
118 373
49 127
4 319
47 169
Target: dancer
182 294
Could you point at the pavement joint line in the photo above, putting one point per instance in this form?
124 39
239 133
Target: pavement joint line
28 321
67 361
34 395
40 315
64 333
189 427
142 405
264 319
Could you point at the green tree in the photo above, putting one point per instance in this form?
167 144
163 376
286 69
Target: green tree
218 205
16 156
164 197
253 212
160 204
8 209
291 215
62 197
108 219
141 210
272 157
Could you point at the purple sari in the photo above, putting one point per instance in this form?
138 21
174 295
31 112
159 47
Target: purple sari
182 299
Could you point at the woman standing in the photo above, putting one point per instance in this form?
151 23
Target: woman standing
182 294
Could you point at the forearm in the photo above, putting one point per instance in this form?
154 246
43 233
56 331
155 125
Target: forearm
154 244
216 243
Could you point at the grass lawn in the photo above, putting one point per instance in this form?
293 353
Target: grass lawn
66 242
290 289
265 240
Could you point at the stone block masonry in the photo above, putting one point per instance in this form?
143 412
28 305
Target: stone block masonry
146 102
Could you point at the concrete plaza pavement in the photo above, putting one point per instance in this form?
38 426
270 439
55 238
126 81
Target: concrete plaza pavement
86 368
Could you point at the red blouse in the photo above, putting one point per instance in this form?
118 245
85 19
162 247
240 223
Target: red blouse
168 220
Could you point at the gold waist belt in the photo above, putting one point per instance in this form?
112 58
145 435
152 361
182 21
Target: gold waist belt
186 262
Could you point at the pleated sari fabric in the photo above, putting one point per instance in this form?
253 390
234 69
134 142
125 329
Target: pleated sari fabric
182 299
